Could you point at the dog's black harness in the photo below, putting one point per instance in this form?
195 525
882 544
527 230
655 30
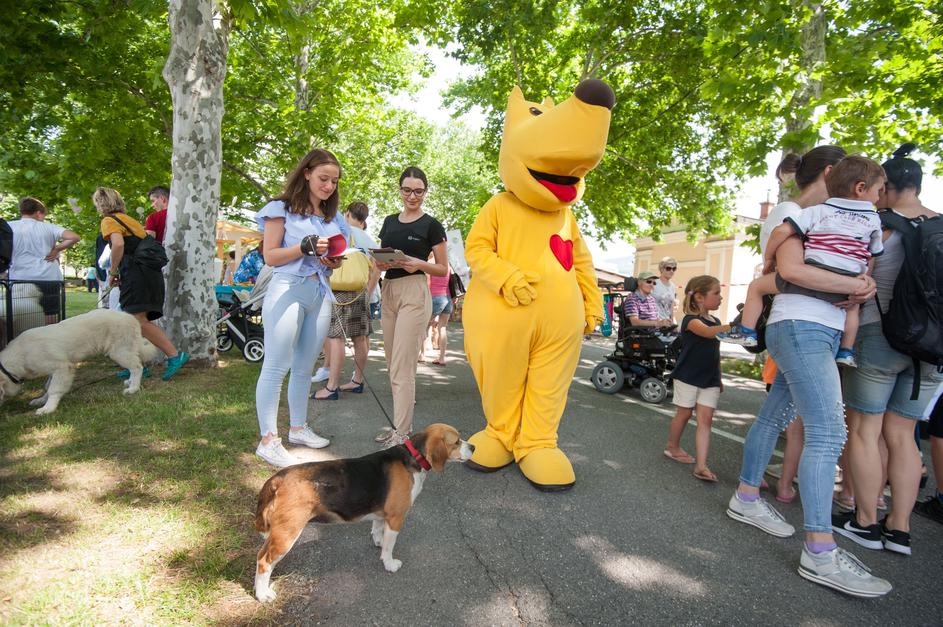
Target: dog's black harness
16 380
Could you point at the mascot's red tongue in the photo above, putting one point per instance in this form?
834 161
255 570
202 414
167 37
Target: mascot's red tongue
564 193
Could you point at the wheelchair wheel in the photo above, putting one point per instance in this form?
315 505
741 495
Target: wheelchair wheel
223 342
653 390
254 350
608 377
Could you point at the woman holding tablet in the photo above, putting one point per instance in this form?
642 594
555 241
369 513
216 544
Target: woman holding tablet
406 304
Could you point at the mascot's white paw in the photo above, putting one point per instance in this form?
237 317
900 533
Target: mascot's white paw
45 410
392 566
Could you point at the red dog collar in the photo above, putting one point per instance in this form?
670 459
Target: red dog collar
423 462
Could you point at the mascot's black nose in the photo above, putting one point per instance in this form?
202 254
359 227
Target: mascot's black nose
595 92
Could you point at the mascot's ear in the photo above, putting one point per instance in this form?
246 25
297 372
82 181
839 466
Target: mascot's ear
548 102
516 95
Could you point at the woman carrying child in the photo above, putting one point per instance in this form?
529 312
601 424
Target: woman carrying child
696 377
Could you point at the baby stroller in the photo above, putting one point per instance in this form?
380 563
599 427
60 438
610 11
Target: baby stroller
240 318
643 357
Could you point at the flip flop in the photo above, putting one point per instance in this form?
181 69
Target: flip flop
438 363
705 475
681 459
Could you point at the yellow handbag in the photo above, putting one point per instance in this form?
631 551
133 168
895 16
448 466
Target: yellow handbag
354 273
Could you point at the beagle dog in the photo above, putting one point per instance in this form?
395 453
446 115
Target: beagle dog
380 487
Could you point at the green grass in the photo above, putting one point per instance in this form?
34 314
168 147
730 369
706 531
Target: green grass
742 368
141 506
78 301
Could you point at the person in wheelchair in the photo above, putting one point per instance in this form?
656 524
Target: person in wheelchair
639 306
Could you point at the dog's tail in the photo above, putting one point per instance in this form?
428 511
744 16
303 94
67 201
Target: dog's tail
263 509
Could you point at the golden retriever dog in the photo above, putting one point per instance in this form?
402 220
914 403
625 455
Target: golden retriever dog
55 351
379 487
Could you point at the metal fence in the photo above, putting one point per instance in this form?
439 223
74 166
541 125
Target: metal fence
28 304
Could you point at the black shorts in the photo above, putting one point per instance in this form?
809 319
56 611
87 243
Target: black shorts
51 299
935 426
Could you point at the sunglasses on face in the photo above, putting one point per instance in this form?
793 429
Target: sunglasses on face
671 268
650 281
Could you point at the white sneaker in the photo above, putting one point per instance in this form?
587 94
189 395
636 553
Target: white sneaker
842 571
761 515
307 437
275 454
322 374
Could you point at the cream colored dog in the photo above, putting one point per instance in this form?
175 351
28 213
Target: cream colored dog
56 350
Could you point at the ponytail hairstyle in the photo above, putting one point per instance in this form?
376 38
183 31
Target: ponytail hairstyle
296 194
701 284
904 173
809 166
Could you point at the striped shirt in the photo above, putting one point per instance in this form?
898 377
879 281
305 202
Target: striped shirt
840 234
641 306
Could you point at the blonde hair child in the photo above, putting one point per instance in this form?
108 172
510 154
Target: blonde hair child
696 376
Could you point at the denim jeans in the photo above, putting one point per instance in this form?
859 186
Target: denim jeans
807 385
292 340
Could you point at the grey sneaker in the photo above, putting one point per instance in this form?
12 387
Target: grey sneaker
385 434
396 438
307 437
840 570
275 454
761 515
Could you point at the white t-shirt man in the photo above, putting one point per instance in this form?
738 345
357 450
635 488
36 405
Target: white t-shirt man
32 242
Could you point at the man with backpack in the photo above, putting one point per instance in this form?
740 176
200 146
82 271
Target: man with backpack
900 348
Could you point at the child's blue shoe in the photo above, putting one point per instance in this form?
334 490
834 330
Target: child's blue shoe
846 357
125 374
739 334
174 364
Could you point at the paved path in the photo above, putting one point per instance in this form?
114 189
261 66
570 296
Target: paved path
637 541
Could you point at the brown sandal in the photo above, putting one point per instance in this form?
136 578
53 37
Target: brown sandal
705 475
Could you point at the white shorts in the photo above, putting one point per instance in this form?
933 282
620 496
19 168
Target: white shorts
688 396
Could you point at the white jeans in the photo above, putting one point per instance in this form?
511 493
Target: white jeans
292 340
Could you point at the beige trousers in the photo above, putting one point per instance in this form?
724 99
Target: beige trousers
406 307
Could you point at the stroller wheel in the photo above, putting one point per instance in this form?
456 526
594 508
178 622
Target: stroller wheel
608 377
254 350
653 390
223 342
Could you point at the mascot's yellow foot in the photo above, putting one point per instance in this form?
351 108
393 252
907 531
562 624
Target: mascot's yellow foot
489 455
548 469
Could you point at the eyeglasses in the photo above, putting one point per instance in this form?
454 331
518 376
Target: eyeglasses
671 268
418 192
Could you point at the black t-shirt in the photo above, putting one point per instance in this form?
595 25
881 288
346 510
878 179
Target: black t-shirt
416 239
699 361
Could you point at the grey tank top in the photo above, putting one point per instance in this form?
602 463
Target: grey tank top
886 269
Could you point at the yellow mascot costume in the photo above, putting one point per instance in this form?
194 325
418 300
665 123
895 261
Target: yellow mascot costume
533 292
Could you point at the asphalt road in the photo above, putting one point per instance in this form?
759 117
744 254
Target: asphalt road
637 541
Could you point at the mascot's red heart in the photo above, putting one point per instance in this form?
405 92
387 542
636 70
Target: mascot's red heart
563 250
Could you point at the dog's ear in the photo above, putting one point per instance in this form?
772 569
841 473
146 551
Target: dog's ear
439 447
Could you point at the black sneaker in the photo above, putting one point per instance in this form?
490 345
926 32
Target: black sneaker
894 540
846 524
932 508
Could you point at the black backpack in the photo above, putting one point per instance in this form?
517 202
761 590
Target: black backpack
6 245
913 324
149 253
